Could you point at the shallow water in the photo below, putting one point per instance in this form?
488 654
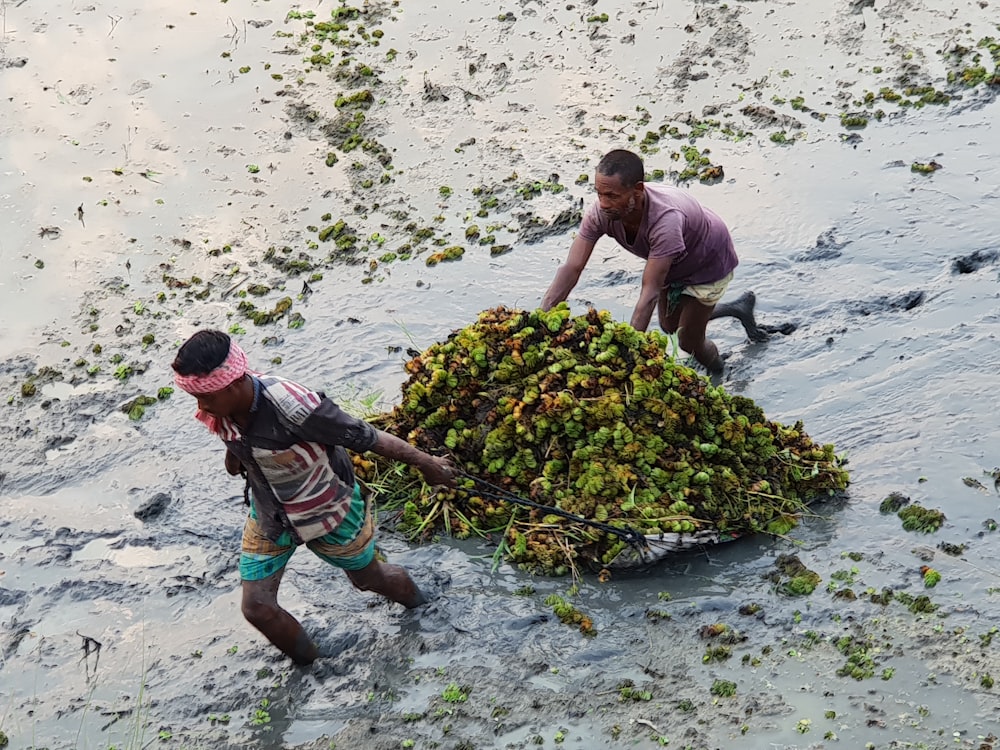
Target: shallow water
838 237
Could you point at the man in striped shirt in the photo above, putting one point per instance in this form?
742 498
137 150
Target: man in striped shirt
291 443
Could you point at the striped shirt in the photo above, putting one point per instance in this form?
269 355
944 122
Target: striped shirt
295 452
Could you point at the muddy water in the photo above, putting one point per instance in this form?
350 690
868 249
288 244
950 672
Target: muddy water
893 359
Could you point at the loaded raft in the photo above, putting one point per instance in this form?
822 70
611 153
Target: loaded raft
583 444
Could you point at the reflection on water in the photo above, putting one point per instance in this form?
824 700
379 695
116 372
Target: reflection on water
192 558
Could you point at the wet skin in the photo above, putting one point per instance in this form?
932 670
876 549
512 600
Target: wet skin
619 202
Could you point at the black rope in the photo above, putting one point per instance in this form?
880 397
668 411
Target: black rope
486 489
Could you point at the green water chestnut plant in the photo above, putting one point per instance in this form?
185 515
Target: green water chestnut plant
915 517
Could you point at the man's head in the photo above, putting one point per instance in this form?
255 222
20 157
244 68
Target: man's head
212 368
619 184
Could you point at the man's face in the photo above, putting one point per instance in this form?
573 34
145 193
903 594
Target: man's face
220 403
617 201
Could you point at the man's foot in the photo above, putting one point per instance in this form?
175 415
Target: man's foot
716 367
716 373
431 585
742 310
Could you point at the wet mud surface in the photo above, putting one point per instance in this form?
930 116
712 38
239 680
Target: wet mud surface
176 166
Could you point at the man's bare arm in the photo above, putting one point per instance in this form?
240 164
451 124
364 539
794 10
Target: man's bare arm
436 470
654 276
568 273
233 464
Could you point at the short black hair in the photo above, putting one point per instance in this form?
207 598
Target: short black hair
625 165
202 353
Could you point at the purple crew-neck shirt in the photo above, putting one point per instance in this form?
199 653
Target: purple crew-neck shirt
676 226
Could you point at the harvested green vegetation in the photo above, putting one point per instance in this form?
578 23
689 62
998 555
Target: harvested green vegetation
587 415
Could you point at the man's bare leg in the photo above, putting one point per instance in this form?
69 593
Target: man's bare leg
260 608
691 334
689 319
742 309
391 581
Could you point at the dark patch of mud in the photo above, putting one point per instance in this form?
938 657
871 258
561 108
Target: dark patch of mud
724 51
827 247
535 229
974 261
762 116
893 303
57 423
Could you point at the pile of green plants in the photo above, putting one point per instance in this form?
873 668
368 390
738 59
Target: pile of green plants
589 417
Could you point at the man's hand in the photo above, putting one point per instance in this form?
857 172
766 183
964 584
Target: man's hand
438 470
568 273
233 464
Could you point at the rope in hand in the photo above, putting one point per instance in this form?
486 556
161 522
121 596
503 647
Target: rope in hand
492 491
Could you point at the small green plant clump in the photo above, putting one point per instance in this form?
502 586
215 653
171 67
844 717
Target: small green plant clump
915 517
853 120
792 577
723 688
529 190
569 614
716 653
697 164
265 317
261 716
449 253
281 258
359 100
977 72
918 605
136 408
955 550
627 691
893 503
931 577
454 694
860 662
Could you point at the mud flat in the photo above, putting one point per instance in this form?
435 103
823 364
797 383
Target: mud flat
336 185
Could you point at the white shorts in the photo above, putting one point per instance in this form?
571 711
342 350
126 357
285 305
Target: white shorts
709 294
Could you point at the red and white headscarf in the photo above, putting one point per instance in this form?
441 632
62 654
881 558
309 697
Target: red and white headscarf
232 369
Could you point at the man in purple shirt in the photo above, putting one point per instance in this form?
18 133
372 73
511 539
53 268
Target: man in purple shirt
688 251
